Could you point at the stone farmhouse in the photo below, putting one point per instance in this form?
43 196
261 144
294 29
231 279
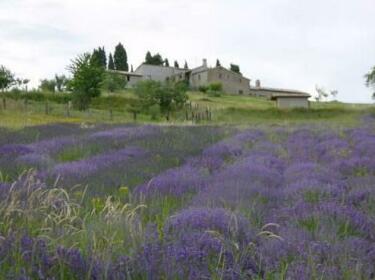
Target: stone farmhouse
232 82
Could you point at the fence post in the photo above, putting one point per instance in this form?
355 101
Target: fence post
111 114
67 108
4 103
187 115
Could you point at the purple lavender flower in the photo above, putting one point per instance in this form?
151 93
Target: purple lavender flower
86 167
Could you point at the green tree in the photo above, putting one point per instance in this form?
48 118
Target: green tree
370 80
87 80
47 85
113 82
131 68
166 62
169 97
186 65
97 56
148 58
176 64
218 63
111 64
6 78
156 59
235 68
321 94
61 82
103 57
121 58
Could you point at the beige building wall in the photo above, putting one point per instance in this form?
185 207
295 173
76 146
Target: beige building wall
132 81
199 79
157 73
232 82
292 102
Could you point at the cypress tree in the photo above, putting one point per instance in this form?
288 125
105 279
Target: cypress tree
120 58
111 64
235 68
218 63
102 57
148 59
176 64
186 65
95 57
166 62
131 68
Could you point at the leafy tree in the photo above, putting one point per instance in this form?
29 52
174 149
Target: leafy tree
25 83
176 64
154 59
186 65
218 63
167 96
96 56
87 80
166 62
61 82
111 64
113 82
103 57
334 94
148 58
215 87
47 85
322 93
121 58
235 68
370 80
6 78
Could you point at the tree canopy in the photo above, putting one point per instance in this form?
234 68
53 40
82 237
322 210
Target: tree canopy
156 59
235 68
218 63
370 80
176 65
87 80
6 78
121 58
167 96
101 57
111 64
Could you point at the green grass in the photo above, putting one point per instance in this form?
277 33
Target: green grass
226 109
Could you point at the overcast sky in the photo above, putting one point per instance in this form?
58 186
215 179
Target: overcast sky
285 43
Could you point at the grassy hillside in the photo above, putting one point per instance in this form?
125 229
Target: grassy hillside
225 109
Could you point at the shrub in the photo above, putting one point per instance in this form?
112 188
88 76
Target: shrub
203 89
215 87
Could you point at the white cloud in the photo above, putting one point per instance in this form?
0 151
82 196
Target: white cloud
286 43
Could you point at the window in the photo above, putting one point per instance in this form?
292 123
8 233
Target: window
128 78
199 77
220 76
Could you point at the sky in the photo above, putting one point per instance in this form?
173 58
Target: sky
294 44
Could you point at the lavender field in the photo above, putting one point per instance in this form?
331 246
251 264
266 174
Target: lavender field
187 202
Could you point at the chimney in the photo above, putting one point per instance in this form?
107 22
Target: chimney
204 62
257 84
